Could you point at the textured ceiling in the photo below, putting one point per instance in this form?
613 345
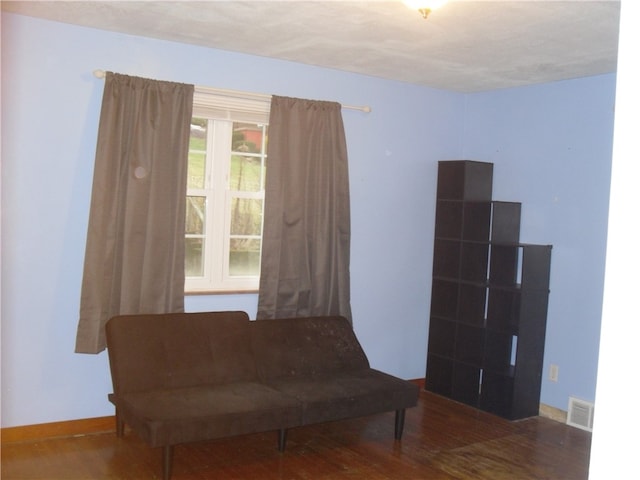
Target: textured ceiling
465 46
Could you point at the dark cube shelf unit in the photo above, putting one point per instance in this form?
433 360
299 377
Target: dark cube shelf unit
489 298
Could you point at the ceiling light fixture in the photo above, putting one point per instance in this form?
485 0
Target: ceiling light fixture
424 6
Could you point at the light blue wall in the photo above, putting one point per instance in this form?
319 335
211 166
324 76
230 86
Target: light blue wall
551 146
50 109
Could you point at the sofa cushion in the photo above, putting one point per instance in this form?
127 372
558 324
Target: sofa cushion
303 347
168 417
347 395
150 352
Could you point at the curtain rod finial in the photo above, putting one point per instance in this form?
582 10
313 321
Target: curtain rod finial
99 73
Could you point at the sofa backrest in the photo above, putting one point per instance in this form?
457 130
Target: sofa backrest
297 347
149 352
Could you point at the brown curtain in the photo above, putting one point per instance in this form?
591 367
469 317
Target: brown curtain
134 259
307 230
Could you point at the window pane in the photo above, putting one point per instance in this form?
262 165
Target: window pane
194 243
197 153
193 258
196 211
246 174
247 138
246 216
244 257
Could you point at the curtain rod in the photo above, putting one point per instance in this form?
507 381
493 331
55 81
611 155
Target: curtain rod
363 108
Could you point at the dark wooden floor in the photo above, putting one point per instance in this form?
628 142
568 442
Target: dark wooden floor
442 440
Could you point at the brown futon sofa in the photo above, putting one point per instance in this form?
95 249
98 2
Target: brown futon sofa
187 377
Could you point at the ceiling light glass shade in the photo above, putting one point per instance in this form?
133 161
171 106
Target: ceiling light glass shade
424 6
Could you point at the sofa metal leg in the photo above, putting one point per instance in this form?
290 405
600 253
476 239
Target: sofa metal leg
399 423
282 439
167 461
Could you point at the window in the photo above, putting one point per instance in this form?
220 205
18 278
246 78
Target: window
225 192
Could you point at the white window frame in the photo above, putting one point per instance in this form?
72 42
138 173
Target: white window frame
221 108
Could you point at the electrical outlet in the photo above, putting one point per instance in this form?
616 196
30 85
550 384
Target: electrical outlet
554 370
